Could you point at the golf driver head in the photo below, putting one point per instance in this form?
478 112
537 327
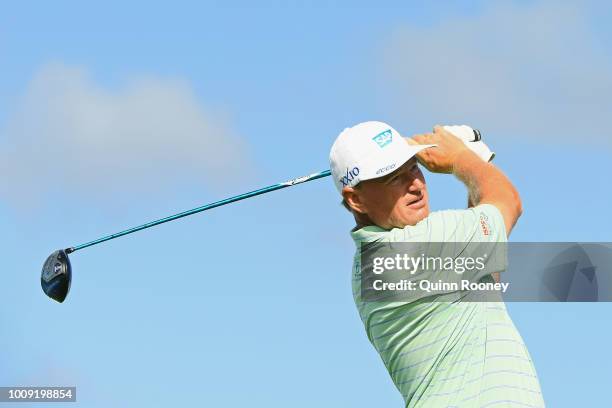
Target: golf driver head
56 275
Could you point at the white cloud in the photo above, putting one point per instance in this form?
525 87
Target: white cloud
72 136
535 69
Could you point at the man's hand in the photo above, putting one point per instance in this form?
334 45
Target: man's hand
442 158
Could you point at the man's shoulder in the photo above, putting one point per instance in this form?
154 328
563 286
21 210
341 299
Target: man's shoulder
437 226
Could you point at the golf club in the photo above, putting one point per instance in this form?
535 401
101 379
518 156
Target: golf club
57 273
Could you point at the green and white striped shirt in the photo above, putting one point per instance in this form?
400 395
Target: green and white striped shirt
449 352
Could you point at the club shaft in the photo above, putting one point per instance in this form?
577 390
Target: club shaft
196 210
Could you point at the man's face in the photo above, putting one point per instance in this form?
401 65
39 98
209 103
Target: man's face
395 200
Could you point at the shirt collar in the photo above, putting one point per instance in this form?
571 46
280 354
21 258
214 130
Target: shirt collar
367 234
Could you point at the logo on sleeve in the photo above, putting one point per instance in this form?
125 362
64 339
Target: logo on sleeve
484 224
383 138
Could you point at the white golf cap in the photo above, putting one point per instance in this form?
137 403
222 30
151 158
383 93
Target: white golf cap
367 151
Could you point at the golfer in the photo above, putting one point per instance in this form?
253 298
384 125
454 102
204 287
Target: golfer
438 353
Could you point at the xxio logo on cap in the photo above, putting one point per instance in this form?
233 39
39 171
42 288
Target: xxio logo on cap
350 176
383 138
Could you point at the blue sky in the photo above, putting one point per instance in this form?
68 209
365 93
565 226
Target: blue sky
115 114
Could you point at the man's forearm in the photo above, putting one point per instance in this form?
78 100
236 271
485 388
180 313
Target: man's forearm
487 184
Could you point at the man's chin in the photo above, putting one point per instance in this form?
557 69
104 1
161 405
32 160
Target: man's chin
416 216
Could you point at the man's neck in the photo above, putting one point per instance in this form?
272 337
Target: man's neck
362 220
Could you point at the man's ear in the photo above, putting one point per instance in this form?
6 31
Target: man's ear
353 199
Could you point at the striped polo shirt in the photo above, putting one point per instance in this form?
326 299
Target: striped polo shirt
449 352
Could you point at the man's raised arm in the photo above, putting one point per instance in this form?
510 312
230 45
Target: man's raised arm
485 182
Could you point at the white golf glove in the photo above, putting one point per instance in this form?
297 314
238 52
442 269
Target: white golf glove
472 139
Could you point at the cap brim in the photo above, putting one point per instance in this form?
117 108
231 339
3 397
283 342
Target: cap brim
378 166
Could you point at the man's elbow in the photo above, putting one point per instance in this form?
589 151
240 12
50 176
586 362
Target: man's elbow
518 204
512 209
515 209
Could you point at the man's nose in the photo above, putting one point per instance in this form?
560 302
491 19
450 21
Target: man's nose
416 185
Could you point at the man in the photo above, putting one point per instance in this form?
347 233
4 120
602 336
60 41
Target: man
440 352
